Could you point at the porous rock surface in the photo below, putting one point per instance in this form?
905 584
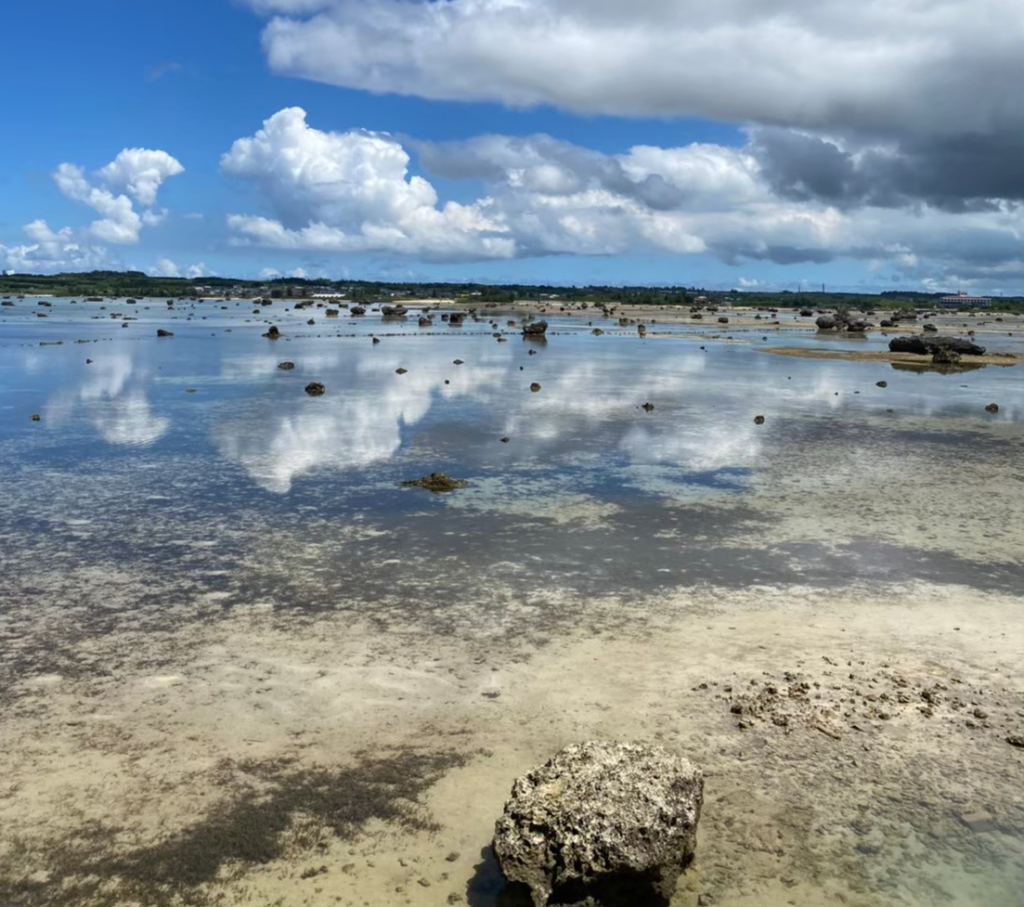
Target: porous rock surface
602 820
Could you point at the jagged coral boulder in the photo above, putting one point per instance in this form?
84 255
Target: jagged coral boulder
602 820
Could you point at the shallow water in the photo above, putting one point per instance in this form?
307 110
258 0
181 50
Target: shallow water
172 482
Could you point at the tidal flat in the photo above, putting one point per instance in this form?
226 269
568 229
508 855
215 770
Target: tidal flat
241 664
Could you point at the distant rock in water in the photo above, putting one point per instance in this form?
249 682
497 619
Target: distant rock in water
393 311
272 332
160 332
881 384
331 313
535 329
992 408
315 389
286 365
602 823
535 387
926 346
723 320
401 371
647 407
928 327
357 310
945 356
759 420
34 417
455 319
825 323
438 482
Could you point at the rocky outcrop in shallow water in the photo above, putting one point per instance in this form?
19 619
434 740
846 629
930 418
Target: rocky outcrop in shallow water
615 823
927 346
535 329
436 482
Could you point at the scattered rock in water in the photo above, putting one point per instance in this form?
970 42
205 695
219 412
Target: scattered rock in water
926 346
272 332
424 322
759 420
457 362
597 332
315 389
438 482
825 323
945 356
602 823
881 384
160 332
286 365
375 340
647 407
641 329
35 417
357 310
806 313
928 327
331 313
723 320
992 408
505 440
310 321
535 329
535 387
455 319
190 390
401 371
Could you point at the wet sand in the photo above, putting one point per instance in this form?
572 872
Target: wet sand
1005 359
227 762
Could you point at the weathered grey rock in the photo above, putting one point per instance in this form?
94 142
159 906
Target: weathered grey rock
315 389
825 323
357 310
945 356
535 328
616 822
918 343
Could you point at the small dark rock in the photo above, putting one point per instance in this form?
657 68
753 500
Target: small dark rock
160 332
315 389
286 365
437 482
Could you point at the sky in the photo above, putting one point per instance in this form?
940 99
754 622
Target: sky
743 143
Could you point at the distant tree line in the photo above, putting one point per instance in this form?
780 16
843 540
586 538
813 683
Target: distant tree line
136 283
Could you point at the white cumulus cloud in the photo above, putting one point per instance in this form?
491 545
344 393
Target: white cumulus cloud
352 192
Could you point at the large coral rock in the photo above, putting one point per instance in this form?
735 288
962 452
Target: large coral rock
616 822
928 345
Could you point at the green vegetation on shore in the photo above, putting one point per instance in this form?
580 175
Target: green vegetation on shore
136 283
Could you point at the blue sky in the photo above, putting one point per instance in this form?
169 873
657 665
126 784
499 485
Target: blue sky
747 180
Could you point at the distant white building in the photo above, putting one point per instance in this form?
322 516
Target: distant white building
963 301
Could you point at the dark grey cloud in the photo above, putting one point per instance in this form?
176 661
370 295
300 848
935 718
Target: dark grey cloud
956 173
